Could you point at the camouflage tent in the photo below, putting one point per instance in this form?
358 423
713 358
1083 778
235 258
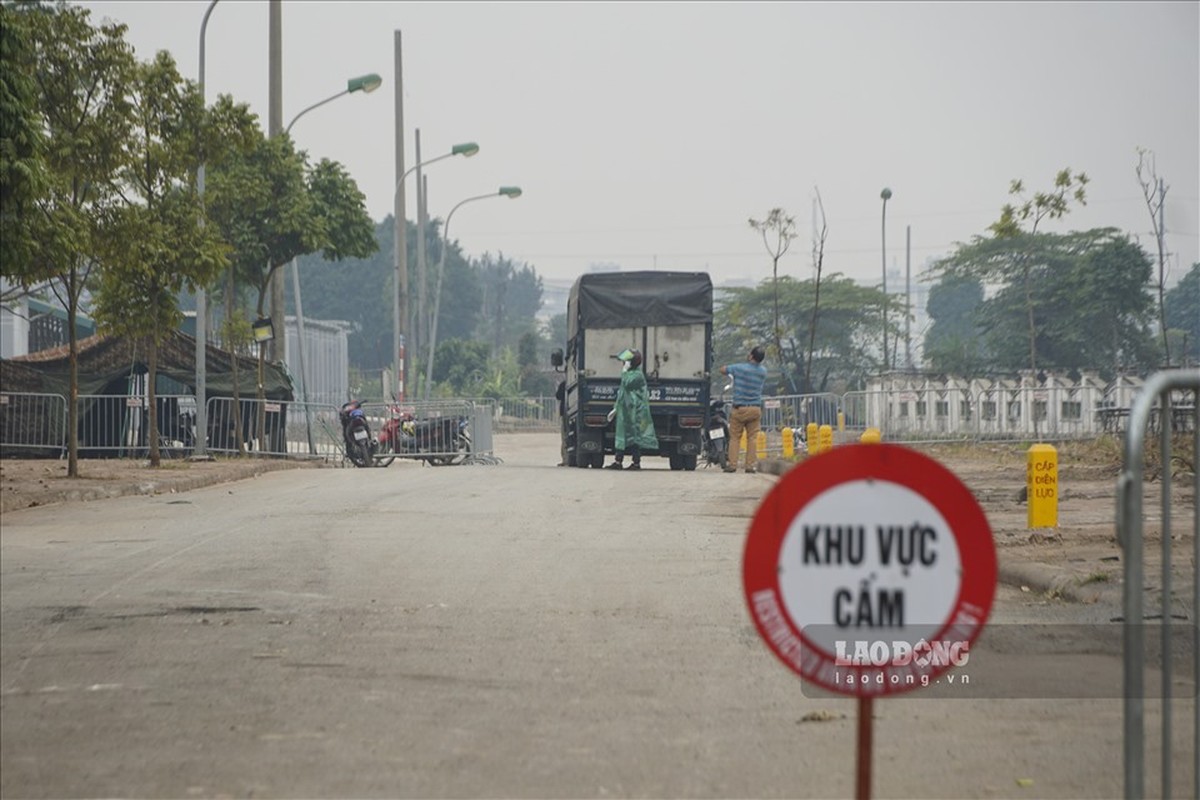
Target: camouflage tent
114 367
106 364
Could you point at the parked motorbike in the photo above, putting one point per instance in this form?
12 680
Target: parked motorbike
356 433
439 441
716 435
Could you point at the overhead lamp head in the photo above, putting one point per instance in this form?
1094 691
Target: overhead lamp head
364 83
264 331
510 191
886 194
467 149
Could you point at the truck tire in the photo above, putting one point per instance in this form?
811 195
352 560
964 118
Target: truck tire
689 463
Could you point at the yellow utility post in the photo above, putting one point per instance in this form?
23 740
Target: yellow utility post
841 421
814 446
760 442
1041 486
789 445
825 435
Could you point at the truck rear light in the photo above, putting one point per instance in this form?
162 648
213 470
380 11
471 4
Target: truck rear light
595 420
691 422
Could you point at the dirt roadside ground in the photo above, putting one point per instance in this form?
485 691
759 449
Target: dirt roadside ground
29 483
1079 561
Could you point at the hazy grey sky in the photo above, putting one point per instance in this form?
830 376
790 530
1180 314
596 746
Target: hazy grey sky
647 134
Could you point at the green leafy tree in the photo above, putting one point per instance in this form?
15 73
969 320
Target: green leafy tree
557 330
1102 304
24 172
82 75
1024 218
1083 294
512 296
777 231
460 363
534 379
841 358
1183 313
358 291
501 379
954 343
161 245
461 306
271 208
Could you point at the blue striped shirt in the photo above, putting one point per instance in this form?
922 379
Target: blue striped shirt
748 380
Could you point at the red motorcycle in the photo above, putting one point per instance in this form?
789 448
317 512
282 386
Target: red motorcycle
439 441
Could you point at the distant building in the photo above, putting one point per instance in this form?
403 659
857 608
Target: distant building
31 325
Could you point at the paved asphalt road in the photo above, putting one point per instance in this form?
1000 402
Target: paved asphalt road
517 630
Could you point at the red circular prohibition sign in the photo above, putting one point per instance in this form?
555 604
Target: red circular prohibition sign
869 463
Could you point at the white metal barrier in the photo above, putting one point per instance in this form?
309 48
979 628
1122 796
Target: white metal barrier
1163 391
33 423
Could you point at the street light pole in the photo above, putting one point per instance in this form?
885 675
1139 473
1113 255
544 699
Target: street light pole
511 192
399 234
400 254
886 194
201 436
365 84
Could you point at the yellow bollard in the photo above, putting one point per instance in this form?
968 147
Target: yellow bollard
1041 486
841 421
871 436
825 435
761 444
789 445
810 430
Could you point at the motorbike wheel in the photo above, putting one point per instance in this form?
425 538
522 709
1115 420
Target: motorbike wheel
462 445
359 452
388 448
717 454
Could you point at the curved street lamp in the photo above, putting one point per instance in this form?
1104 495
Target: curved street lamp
365 84
886 195
201 437
400 256
511 192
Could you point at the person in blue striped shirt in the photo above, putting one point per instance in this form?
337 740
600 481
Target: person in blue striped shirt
748 380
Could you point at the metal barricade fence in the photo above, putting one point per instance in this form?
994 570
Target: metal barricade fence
313 430
511 414
440 432
118 425
1164 391
32 423
263 426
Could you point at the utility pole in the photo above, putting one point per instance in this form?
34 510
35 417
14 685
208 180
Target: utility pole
908 298
400 296
419 330
277 347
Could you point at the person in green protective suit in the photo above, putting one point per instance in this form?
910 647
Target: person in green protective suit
635 426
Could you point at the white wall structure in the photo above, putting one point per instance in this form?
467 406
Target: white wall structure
14 329
326 359
907 405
